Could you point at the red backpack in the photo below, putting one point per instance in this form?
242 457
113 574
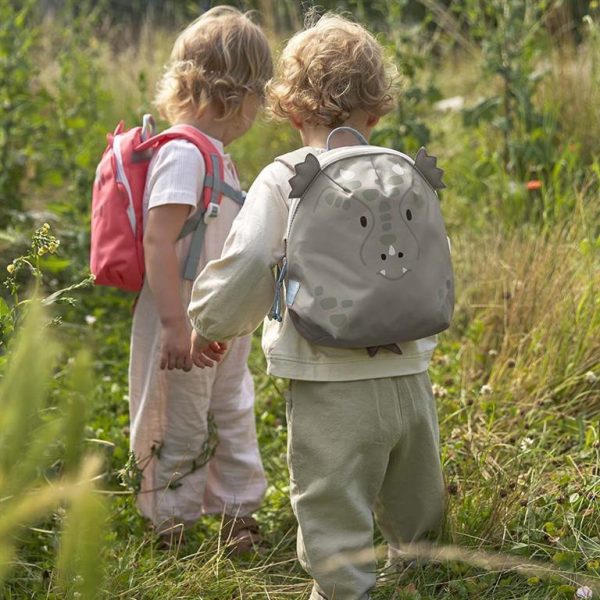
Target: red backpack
117 250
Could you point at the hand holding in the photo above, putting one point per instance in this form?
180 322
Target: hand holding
205 353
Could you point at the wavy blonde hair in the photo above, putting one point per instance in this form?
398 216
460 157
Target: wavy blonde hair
330 69
218 59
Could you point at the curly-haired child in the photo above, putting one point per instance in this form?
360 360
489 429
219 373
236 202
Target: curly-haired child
362 431
214 81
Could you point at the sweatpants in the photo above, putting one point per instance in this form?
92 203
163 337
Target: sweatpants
358 449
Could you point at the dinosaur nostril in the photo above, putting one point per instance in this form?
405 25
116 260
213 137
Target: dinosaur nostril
383 256
400 254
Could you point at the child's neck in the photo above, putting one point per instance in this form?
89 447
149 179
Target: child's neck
207 123
316 136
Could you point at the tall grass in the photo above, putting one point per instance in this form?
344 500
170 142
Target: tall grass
42 470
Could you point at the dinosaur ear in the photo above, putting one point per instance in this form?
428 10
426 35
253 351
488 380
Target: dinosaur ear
426 165
305 173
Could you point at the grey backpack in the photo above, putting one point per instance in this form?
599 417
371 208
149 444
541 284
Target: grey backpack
367 260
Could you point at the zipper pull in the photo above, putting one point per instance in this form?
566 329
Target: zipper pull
275 314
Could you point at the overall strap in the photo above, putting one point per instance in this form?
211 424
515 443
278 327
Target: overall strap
196 225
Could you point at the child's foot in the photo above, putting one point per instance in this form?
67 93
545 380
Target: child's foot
241 535
399 566
170 537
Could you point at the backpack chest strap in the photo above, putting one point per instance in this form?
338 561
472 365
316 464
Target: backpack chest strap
220 187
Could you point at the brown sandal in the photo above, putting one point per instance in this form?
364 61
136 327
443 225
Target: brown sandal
240 535
171 536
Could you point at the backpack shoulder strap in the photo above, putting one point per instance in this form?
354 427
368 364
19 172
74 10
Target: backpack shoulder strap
212 157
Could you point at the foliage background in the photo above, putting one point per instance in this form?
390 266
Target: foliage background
506 94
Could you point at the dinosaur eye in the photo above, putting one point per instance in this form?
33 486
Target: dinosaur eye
383 257
409 214
363 221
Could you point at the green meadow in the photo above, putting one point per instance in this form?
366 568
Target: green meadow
507 96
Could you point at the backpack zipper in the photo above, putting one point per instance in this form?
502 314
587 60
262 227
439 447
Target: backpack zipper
122 178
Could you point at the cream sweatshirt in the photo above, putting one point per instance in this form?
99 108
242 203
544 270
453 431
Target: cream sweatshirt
233 294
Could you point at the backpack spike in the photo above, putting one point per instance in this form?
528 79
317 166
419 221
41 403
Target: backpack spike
427 166
305 173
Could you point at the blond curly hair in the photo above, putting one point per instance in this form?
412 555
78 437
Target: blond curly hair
330 69
218 59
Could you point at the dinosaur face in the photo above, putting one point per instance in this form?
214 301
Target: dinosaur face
384 219
389 248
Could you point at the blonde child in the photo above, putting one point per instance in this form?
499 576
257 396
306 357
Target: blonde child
215 82
362 431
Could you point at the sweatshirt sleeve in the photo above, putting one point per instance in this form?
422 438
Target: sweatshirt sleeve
233 294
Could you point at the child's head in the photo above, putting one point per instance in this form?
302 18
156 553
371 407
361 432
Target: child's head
329 71
218 60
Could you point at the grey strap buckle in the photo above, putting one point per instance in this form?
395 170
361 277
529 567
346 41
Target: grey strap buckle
212 212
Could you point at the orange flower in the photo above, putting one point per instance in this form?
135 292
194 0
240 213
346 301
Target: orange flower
534 184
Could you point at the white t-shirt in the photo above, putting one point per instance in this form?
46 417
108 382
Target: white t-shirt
175 175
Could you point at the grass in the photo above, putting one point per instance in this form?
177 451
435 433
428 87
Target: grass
520 434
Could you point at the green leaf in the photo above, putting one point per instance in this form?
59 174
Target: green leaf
54 264
4 308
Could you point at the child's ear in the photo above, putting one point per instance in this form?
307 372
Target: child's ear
372 120
296 122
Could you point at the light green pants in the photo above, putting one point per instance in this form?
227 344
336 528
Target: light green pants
356 448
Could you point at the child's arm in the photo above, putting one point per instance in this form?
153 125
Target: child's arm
233 294
162 270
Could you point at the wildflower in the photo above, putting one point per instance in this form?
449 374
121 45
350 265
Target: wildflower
11 268
42 251
525 443
45 228
486 390
493 352
90 319
439 391
534 184
590 377
584 592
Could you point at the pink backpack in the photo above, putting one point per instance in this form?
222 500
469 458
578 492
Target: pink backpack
117 250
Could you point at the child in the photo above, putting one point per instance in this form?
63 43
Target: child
215 81
362 431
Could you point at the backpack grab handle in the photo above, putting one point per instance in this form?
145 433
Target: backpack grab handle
148 127
357 134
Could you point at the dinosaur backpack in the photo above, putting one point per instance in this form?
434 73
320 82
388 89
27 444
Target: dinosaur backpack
367 260
117 249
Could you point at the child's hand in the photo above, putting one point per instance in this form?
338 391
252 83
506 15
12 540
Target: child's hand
175 345
204 352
